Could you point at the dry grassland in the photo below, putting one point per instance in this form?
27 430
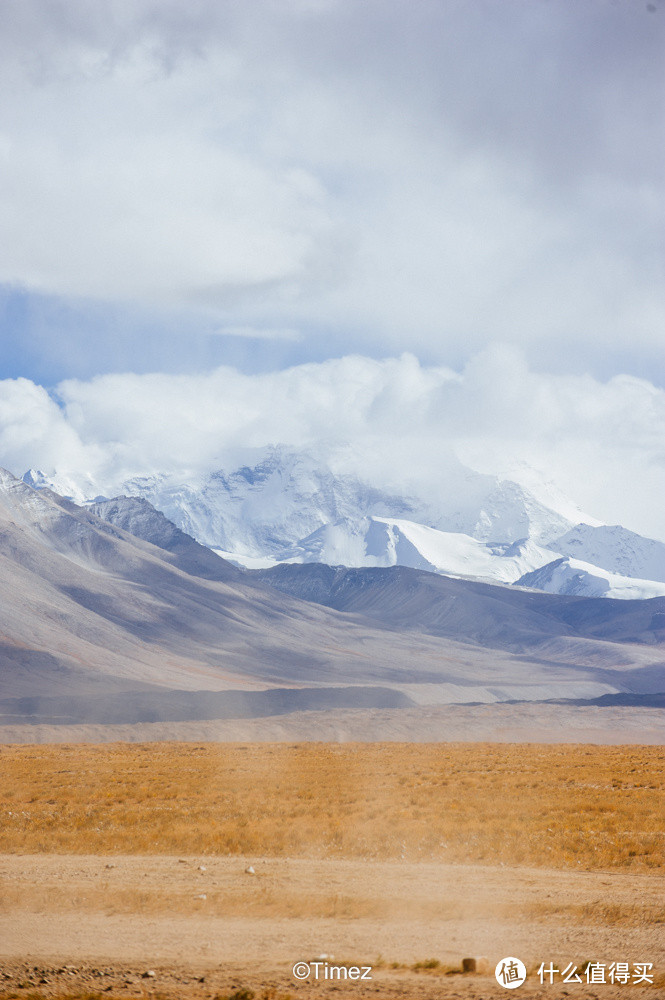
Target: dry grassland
272 897
556 806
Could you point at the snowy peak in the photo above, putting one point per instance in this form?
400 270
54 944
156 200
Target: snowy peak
508 513
259 510
262 507
274 497
576 578
9 485
383 542
282 504
615 549
34 478
77 489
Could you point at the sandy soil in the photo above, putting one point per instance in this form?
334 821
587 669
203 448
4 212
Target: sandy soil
112 920
498 723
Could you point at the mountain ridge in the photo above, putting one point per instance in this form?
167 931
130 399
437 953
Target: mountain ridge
93 612
282 505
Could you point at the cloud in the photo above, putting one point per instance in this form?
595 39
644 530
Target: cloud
383 177
127 173
33 426
395 422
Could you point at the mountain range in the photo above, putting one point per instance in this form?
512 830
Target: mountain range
112 613
282 505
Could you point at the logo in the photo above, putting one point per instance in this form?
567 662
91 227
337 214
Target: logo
510 972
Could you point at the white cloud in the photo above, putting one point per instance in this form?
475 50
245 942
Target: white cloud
374 177
394 422
32 427
430 177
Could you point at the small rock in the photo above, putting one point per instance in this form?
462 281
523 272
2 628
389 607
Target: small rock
202 868
183 861
201 896
149 974
250 871
110 866
475 965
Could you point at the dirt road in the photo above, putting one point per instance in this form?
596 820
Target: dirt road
207 927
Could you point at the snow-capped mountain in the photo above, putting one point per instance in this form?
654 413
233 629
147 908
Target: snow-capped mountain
582 579
278 496
382 541
615 549
103 626
258 510
280 504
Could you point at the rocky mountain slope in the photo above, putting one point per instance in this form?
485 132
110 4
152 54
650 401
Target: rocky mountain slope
472 612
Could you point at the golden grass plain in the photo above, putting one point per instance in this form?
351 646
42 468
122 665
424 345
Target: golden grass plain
557 806
409 856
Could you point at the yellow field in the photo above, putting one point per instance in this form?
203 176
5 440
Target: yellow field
556 806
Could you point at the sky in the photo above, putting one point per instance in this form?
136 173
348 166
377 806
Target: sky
393 225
